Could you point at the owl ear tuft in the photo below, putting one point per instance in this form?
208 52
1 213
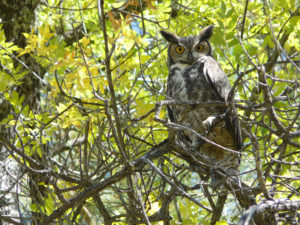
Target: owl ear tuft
207 32
169 36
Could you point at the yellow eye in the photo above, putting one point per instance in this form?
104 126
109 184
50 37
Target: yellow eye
199 48
179 49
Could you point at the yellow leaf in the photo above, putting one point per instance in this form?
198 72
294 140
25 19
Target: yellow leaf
102 84
85 41
94 70
49 204
45 32
28 49
86 82
139 40
144 58
26 35
61 107
142 108
34 207
115 23
71 76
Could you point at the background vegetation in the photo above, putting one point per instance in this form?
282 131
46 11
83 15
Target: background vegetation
81 82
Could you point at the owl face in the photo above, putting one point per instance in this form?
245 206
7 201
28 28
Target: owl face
186 50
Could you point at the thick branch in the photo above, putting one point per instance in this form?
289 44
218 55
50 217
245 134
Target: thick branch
269 206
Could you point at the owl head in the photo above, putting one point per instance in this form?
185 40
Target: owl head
186 50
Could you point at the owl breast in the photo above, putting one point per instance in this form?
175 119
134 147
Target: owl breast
188 83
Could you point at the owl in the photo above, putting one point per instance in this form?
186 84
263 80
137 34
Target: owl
195 76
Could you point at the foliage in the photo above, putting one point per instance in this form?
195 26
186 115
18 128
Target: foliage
105 71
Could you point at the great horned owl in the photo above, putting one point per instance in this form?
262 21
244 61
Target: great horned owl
195 76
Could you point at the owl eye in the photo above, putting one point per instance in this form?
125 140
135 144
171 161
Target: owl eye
179 49
199 48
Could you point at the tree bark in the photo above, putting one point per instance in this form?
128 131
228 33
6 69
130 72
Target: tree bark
18 17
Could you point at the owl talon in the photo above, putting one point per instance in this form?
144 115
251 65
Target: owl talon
209 122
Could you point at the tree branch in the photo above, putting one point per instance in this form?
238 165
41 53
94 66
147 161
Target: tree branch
276 205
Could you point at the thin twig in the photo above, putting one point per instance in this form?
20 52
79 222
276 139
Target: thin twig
27 67
118 136
174 185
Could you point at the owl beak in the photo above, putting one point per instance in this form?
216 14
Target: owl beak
190 58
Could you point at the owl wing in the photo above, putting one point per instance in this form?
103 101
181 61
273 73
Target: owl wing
220 85
216 78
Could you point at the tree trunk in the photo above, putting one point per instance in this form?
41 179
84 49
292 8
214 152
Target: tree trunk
18 17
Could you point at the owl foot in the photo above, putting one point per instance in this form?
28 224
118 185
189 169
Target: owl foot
209 122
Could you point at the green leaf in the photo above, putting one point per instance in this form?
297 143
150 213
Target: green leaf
230 12
49 204
34 207
268 42
232 22
223 8
233 43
